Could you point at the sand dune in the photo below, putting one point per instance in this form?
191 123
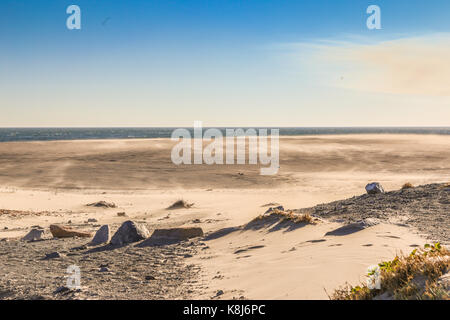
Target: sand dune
298 264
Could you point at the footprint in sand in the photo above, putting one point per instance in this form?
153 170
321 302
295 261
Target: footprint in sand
249 248
316 241
386 236
247 256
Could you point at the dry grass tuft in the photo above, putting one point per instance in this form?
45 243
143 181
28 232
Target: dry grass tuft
407 185
180 204
414 276
290 216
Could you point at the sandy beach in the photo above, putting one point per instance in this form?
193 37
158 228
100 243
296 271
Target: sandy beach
44 183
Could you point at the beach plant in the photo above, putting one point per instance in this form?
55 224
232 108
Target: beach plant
407 185
289 215
413 276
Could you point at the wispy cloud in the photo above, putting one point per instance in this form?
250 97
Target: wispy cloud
408 66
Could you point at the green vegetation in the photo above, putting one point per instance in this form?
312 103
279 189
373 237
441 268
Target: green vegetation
414 276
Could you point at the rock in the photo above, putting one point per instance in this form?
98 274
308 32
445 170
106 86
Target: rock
374 188
129 232
353 227
104 269
92 220
53 255
67 232
102 204
33 235
173 235
101 236
61 289
270 210
150 278
121 214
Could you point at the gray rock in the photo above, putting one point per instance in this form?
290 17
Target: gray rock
53 255
374 188
129 232
33 235
101 236
62 289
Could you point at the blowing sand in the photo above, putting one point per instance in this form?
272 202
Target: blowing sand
52 182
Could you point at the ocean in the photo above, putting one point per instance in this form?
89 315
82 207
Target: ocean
47 134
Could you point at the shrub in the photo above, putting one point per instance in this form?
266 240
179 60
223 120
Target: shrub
414 276
407 185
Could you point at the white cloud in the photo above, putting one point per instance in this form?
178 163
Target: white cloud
407 66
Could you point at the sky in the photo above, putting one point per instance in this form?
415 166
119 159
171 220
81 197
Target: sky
275 63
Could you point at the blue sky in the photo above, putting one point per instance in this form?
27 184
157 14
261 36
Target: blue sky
243 63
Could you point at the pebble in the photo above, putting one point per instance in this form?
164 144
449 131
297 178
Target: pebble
53 255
